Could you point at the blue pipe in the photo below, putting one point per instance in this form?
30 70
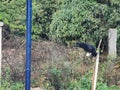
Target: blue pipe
28 44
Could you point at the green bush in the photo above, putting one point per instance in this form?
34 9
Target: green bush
63 20
59 81
8 84
13 13
83 20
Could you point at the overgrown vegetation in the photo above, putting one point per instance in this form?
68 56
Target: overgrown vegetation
67 77
63 21
85 20
54 66
13 13
8 84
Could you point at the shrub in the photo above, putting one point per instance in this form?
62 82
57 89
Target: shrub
83 20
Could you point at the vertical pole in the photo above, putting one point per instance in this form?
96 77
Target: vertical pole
95 73
94 82
1 24
28 44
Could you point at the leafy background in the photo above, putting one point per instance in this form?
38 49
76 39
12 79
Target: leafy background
62 21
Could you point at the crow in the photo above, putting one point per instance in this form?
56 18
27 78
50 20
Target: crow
87 47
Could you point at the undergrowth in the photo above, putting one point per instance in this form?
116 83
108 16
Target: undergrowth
8 84
66 77
58 81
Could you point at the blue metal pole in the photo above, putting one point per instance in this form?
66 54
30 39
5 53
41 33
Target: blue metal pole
28 44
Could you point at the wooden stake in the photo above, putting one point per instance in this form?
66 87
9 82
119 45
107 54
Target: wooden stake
94 82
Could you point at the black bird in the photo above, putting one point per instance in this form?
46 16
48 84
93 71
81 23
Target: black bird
87 47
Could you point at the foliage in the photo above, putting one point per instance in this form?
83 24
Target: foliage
42 13
63 20
13 13
68 77
7 83
60 79
81 82
84 20
103 86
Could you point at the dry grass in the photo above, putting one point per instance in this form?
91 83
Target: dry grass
45 55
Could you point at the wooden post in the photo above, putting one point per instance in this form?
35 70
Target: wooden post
94 82
112 39
1 24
